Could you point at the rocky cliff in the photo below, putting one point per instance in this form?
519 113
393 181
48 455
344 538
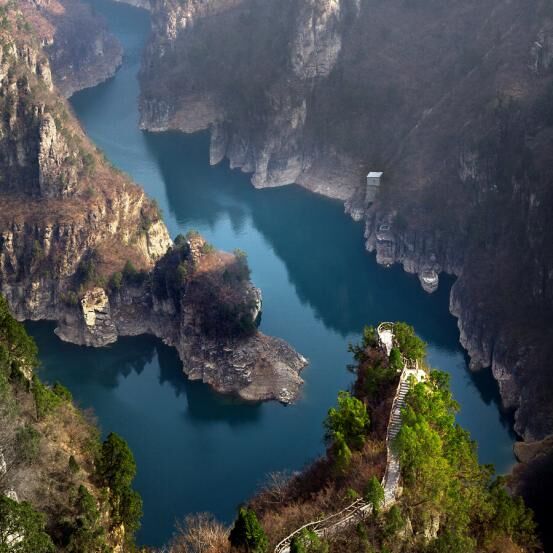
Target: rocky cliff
81 51
451 100
82 245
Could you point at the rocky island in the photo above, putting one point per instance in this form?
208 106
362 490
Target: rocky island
82 245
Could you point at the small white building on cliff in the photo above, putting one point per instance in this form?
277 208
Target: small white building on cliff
373 186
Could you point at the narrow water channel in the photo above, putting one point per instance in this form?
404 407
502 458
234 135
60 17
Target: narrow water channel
195 450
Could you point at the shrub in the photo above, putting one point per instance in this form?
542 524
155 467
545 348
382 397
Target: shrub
72 465
192 234
27 443
70 298
20 519
350 420
247 534
180 241
132 275
341 454
208 248
116 281
62 392
242 270
87 533
374 493
393 521
308 541
45 399
182 272
23 350
396 362
412 347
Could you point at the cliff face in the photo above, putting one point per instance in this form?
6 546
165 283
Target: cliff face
451 100
81 51
82 245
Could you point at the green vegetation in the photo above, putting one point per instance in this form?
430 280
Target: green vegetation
375 372
346 428
48 399
409 344
116 281
308 542
349 419
443 479
18 350
449 502
247 534
72 465
22 529
37 425
396 362
87 533
207 248
374 493
116 470
87 274
242 269
27 443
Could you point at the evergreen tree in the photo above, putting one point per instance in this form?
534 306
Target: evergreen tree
308 541
374 494
117 469
247 534
350 419
22 528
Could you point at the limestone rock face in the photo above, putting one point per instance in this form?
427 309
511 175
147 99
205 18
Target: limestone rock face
55 179
94 327
317 41
280 153
82 52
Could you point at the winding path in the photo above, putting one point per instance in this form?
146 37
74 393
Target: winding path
360 508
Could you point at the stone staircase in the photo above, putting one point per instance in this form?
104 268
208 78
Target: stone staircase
359 509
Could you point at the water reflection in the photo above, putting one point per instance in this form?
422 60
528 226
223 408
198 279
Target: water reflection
323 251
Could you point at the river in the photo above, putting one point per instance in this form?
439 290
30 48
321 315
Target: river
198 451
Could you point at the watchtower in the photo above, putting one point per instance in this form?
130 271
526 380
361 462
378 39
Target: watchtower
373 185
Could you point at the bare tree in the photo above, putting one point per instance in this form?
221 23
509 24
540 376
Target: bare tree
276 486
199 533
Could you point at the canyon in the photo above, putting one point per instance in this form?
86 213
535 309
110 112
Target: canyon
81 244
451 101
61 196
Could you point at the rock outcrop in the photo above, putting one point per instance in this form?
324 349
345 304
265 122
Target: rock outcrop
82 245
81 50
451 101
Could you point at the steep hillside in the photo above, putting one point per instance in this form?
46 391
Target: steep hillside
55 491
82 245
452 100
82 52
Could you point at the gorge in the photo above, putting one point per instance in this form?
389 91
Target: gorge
451 100
319 286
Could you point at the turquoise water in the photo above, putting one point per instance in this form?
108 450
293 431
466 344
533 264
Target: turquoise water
195 450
